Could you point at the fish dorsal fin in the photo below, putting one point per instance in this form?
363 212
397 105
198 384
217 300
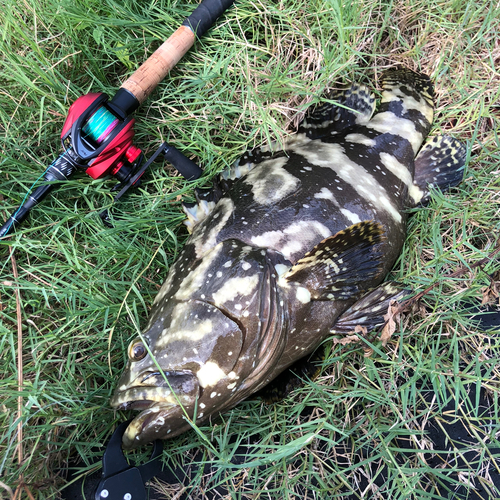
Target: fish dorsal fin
354 106
339 267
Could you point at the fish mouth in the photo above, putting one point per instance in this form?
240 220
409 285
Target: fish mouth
164 399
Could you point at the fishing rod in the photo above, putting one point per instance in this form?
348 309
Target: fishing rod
98 132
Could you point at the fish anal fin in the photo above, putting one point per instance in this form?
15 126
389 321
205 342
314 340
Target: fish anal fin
440 163
369 311
339 267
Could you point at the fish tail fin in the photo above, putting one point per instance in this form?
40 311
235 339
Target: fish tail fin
407 95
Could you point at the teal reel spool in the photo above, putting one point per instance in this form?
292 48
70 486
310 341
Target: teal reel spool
100 125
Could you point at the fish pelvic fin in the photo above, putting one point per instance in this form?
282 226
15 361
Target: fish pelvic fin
369 311
339 267
440 163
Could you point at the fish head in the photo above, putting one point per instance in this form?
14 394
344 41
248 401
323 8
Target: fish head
207 344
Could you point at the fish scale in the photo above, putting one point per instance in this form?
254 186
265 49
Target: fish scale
289 248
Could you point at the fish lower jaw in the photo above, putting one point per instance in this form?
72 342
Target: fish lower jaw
150 424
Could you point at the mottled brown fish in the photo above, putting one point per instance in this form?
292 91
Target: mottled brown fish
292 249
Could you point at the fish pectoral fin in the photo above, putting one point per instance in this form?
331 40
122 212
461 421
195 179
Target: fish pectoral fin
369 311
440 163
351 107
340 266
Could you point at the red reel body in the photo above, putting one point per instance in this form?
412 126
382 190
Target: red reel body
103 143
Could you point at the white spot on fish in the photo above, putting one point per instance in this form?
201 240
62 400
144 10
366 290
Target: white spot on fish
303 295
294 239
210 374
397 168
246 266
416 193
326 194
393 124
354 218
360 139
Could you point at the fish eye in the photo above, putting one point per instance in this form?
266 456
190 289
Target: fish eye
137 350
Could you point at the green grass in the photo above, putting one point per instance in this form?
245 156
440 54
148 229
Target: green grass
83 289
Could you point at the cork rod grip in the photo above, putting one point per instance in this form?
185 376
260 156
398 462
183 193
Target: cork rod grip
156 67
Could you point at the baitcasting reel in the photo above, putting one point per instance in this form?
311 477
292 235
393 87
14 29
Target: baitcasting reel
101 134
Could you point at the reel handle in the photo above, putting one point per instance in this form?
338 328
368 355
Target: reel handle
186 167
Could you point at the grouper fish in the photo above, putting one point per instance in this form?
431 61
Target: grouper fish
291 248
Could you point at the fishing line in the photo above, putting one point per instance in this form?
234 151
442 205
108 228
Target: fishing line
100 125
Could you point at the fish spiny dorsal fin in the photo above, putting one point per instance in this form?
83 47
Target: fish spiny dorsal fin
405 79
206 200
355 107
339 267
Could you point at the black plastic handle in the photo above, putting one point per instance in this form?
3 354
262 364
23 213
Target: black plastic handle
205 15
187 168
